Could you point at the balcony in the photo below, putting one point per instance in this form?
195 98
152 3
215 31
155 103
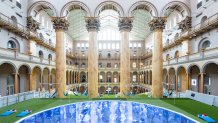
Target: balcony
8 24
195 57
14 55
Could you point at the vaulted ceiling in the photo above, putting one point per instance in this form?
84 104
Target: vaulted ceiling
108 19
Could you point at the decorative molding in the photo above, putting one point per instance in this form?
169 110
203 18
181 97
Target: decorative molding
157 23
92 24
186 24
60 23
32 24
125 24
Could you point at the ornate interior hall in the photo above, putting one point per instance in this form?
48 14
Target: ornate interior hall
116 46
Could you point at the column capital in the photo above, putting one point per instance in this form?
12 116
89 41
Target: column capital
125 24
157 23
60 23
186 24
32 24
92 24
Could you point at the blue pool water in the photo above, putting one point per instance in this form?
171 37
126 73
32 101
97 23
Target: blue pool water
107 112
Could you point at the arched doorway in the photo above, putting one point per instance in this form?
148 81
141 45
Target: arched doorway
24 80
45 80
210 79
172 79
195 78
36 79
182 79
7 79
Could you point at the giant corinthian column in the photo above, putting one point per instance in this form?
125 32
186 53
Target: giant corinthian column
157 25
60 25
125 26
92 25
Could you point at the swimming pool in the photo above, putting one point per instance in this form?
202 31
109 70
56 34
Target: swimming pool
107 112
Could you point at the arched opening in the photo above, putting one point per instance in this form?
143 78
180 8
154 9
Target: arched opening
24 79
45 81
102 90
83 65
195 78
83 77
14 20
115 77
172 79
210 79
42 12
7 79
167 57
142 12
102 77
203 20
49 57
165 79
182 79
52 82
134 77
36 78
176 55
11 45
41 54
109 77
116 89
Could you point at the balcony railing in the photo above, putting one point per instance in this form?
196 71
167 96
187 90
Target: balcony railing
7 23
207 54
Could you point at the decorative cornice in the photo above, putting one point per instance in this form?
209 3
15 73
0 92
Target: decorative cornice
60 23
32 24
92 24
157 23
125 24
186 24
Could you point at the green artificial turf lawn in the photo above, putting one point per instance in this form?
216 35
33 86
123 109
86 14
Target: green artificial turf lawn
186 106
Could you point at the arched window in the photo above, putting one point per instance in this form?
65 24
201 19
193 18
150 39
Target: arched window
50 57
134 78
40 54
176 54
99 55
167 57
206 44
203 20
115 65
83 65
40 35
14 20
108 55
134 65
11 45
76 64
177 35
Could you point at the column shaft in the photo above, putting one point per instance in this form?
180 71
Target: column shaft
176 84
157 25
93 65
60 63
202 83
16 84
124 64
157 65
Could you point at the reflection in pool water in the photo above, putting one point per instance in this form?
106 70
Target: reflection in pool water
107 112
